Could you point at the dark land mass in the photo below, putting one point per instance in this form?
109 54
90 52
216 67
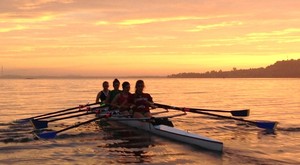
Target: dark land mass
280 69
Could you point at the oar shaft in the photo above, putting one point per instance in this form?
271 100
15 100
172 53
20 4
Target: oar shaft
198 109
67 113
68 117
215 110
200 112
220 116
61 114
260 124
86 122
39 124
53 134
69 109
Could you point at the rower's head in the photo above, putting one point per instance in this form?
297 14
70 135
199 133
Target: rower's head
105 85
126 86
116 84
139 86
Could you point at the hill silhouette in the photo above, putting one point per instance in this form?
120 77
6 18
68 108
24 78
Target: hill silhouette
280 69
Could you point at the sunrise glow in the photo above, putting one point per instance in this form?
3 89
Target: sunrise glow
124 38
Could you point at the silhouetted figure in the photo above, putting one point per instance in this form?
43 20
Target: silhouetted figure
120 101
141 102
112 94
102 95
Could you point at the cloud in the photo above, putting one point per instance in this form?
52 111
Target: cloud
32 19
33 4
168 19
14 28
289 35
275 33
102 23
215 26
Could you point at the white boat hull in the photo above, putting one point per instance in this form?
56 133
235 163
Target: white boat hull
175 134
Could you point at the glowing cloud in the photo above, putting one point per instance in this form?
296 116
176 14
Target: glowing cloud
215 26
145 37
9 29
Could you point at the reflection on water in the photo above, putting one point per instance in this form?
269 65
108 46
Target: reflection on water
131 145
268 99
14 133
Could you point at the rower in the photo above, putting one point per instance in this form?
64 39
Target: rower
114 92
102 95
141 102
120 101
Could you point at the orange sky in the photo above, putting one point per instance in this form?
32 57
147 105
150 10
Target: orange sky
157 37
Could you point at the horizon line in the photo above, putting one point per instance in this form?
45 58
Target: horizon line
15 76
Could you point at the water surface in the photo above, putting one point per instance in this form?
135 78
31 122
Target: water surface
268 99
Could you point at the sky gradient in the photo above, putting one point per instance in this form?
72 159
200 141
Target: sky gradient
158 37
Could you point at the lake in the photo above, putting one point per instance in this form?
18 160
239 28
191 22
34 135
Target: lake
267 99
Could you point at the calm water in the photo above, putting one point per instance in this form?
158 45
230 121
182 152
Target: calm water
268 99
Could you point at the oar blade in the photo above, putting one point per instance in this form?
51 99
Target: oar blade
46 135
23 121
241 113
38 124
266 124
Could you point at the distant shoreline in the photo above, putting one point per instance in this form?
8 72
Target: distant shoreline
280 69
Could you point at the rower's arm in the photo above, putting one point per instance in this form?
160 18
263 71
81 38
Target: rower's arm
98 97
114 102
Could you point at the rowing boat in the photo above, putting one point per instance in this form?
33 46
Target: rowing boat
162 126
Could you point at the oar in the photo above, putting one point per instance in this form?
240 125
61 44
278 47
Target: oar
65 110
39 124
260 124
67 113
53 134
243 112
